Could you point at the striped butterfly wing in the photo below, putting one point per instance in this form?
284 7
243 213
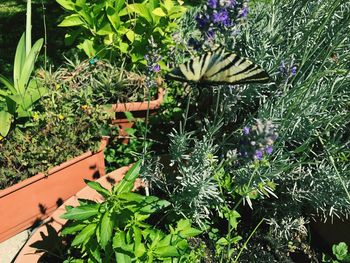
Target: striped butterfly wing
219 67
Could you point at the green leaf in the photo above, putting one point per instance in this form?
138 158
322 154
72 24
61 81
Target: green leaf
167 251
28 66
88 47
5 120
104 28
69 5
20 58
122 258
94 251
132 197
84 235
130 35
156 205
168 4
119 4
123 47
340 250
106 229
127 183
98 187
113 17
143 11
176 12
140 250
8 84
72 228
81 212
84 13
159 12
191 232
183 224
222 242
72 20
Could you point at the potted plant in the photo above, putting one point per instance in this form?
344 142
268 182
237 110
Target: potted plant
101 195
120 91
49 158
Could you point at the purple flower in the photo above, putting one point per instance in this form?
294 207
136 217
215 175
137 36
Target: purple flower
269 149
258 154
156 68
246 130
221 17
212 3
244 12
294 70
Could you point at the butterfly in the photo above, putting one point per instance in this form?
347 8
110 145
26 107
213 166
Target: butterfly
219 67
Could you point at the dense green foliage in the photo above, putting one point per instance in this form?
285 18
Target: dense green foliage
247 167
64 125
117 229
119 29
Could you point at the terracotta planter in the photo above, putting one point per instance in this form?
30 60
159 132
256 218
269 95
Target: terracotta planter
54 223
27 203
138 109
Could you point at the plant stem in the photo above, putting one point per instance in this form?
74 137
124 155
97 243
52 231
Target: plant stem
29 27
246 242
45 37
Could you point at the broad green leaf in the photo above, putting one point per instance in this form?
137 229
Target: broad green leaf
72 20
106 229
168 4
143 11
222 242
3 93
183 224
123 47
127 183
113 17
140 250
191 232
98 187
20 58
130 35
132 197
69 5
28 66
119 239
167 251
84 13
94 251
122 258
176 12
120 242
151 207
8 84
81 212
5 121
105 28
159 12
84 235
72 228
119 4
88 47
340 250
